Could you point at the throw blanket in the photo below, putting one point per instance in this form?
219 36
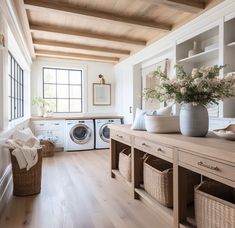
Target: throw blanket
25 152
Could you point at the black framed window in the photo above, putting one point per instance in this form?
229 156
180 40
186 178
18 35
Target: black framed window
16 89
62 89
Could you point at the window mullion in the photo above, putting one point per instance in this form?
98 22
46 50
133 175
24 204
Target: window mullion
16 98
50 80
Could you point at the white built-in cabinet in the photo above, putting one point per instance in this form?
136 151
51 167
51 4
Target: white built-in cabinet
50 128
216 44
217 41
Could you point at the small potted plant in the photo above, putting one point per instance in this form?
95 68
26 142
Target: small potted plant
193 91
41 104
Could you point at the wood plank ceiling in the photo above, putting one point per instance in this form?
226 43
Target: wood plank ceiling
101 30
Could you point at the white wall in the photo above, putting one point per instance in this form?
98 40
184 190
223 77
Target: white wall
124 85
3 75
125 73
13 36
91 70
128 78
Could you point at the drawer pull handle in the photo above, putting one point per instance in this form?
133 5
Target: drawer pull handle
144 144
57 124
119 136
41 124
160 150
200 163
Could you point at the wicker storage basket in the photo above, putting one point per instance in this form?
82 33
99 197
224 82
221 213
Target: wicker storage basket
158 180
48 148
25 182
124 165
214 205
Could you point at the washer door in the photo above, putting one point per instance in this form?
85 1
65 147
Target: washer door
80 133
104 133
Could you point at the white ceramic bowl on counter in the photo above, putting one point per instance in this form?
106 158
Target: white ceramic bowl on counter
162 124
226 133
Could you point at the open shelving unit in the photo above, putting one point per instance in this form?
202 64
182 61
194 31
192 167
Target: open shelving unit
207 57
190 218
207 43
228 106
154 204
117 147
138 184
203 56
119 176
217 48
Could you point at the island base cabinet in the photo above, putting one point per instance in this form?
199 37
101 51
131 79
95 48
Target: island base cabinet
175 188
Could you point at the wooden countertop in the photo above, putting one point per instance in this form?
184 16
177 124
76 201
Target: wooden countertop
210 146
77 117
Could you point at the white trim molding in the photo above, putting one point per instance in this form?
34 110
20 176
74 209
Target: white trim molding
5 187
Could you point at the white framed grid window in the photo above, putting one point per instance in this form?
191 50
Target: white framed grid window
15 90
62 89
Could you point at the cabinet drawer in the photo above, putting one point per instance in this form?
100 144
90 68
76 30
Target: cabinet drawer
156 148
211 166
40 125
120 136
56 125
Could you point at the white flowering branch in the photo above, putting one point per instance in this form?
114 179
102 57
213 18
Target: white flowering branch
202 86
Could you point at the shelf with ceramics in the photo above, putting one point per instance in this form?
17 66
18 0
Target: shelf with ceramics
199 50
201 57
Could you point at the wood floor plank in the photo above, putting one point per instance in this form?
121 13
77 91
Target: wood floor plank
77 191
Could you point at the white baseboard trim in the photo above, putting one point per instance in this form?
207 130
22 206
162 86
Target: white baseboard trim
5 187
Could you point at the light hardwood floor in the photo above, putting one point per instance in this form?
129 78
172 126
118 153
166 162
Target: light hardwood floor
77 191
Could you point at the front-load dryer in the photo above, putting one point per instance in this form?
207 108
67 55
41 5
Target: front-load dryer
79 135
102 132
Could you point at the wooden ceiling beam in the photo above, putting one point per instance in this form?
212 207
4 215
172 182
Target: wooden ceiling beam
69 9
71 55
191 6
51 43
25 25
81 33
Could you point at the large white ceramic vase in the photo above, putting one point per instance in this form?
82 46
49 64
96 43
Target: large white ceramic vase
194 120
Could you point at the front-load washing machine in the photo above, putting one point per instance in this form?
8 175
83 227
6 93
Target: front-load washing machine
102 132
79 135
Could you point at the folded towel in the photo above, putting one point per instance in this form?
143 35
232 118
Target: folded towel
25 152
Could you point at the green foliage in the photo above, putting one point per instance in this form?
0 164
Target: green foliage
40 102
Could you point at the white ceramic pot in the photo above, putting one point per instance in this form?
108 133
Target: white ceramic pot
194 120
162 124
40 111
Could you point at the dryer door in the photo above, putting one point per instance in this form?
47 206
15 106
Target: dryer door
80 133
104 133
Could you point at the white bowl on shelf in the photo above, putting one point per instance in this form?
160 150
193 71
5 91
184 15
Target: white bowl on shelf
162 124
226 133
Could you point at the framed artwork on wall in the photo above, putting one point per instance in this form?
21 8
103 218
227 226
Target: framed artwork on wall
101 94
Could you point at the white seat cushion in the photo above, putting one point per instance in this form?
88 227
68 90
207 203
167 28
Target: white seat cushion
139 122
